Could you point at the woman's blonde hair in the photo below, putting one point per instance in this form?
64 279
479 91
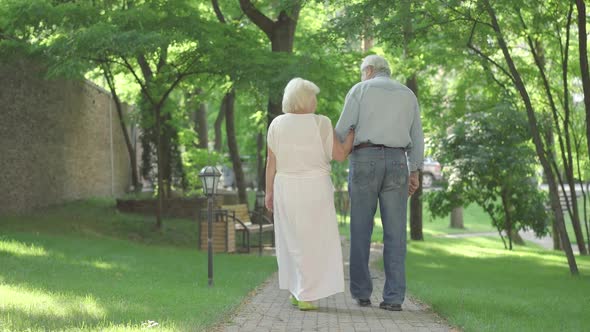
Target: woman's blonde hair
298 95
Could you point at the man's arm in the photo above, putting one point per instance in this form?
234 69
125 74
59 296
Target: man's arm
350 114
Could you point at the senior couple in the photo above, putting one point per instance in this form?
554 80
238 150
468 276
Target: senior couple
380 132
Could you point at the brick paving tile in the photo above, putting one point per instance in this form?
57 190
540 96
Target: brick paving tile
270 310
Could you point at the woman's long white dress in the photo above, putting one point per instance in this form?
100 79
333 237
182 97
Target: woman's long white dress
308 247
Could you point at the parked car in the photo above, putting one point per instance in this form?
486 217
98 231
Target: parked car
432 171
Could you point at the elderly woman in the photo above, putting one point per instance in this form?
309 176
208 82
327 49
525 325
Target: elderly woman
300 193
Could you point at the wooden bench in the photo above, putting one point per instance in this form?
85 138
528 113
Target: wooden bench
243 223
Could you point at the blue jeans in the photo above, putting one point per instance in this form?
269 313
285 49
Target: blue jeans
378 174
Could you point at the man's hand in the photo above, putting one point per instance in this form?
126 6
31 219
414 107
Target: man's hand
414 182
268 200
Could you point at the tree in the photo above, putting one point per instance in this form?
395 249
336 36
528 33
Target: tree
281 34
532 119
491 163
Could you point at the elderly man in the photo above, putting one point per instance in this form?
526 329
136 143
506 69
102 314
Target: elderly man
389 138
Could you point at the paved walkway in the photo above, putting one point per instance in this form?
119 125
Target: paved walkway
270 310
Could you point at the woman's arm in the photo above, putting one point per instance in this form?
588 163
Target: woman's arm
341 150
271 170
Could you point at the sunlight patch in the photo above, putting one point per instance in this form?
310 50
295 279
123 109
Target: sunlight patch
36 302
21 249
102 265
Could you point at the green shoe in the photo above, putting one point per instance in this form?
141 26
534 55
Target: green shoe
305 306
293 300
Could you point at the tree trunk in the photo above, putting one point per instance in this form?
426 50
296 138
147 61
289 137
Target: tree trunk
200 121
416 221
260 161
555 237
519 84
416 207
516 238
583 53
218 135
457 217
228 106
166 138
130 149
507 218
160 167
549 138
281 34
416 213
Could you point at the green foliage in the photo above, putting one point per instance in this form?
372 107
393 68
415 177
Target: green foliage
488 160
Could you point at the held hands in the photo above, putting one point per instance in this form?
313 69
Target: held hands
414 183
349 140
268 201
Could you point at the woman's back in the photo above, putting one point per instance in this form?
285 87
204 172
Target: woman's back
302 144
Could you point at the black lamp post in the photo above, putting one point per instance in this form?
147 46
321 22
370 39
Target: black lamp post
260 200
210 177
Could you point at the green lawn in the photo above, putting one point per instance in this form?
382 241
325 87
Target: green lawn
474 218
84 266
479 286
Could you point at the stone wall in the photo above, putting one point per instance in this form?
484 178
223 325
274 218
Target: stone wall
60 140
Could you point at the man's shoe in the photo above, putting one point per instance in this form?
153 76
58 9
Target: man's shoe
390 306
363 302
305 306
293 300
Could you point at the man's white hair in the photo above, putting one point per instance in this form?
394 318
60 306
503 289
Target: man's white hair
298 95
378 63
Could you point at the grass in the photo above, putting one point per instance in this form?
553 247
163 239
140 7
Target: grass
479 286
475 220
83 266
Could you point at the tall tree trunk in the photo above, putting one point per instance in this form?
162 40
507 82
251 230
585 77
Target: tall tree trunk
260 161
281 34
160 197
200 120
549 139
457 217
228 106
416 221
218 144
519 84
507 217
583 53
168 157
119 107
416 213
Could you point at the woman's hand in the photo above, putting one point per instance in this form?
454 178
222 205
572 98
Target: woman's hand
268 201
349 139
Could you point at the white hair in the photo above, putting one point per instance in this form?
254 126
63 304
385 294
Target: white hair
298 95
378 63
